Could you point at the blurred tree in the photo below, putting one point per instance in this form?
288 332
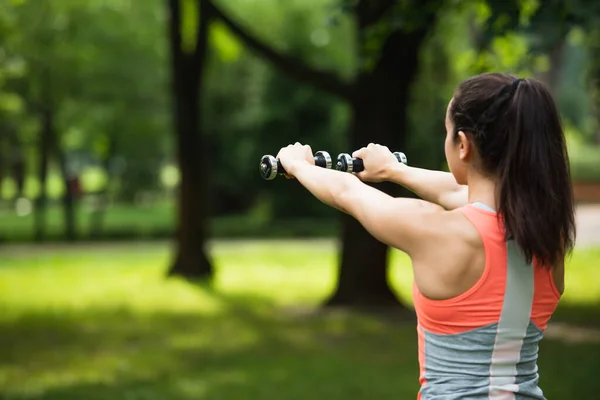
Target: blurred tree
92 75
545 24
593 76
389 36
12 151
390 42
116 122
252 108
188 54
38 30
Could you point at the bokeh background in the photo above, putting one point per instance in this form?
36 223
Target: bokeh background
143 257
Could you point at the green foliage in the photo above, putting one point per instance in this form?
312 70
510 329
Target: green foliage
227 46
189 24
101 322
98 66
442 67
251 109
585 159
108 65
502 36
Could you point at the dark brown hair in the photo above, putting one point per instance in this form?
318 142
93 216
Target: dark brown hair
516 128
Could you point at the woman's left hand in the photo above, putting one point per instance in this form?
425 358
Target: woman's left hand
294 155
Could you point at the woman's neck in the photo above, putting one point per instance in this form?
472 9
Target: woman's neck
482 189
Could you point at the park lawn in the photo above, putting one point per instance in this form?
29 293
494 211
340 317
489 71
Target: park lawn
101 322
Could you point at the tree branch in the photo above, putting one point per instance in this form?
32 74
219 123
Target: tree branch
174 29
290 65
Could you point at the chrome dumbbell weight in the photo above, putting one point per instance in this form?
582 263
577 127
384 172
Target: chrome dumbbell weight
346 163
270 167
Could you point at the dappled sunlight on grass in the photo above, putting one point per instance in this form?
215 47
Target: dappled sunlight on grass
400 275
286 273
582 277
103 322
76 283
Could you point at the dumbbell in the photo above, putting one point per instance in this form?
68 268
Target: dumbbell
346 163
270 167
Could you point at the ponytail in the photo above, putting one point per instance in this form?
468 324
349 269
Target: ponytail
519 137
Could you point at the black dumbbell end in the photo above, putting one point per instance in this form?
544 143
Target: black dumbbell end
358 165
344 162
323 159
270 167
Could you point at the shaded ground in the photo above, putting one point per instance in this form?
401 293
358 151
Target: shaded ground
238 355
102 323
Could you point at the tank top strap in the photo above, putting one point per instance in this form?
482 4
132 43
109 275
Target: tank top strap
487 221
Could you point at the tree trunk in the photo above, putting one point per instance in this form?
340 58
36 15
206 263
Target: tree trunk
44 147
557 56
97 217
19 173
17 161
593 78
191 259
552 76
4 147
379 107
68 200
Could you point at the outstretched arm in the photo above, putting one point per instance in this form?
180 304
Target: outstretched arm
435 186
405 224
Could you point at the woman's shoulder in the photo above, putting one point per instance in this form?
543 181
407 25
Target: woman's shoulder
453 260
455 227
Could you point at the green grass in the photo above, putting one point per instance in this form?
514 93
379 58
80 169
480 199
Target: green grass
119 220
100 322
127 221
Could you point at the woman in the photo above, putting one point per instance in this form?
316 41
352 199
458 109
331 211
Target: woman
487 242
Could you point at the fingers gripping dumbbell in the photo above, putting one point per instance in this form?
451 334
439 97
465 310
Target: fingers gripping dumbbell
346 163
270 167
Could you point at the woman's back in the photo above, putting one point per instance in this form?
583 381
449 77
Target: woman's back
484 342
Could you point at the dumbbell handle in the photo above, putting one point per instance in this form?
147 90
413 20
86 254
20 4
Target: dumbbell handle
270 167
348 164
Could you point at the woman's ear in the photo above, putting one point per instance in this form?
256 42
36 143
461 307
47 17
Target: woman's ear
465 147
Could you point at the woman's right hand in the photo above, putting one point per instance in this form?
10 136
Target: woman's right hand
377 161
